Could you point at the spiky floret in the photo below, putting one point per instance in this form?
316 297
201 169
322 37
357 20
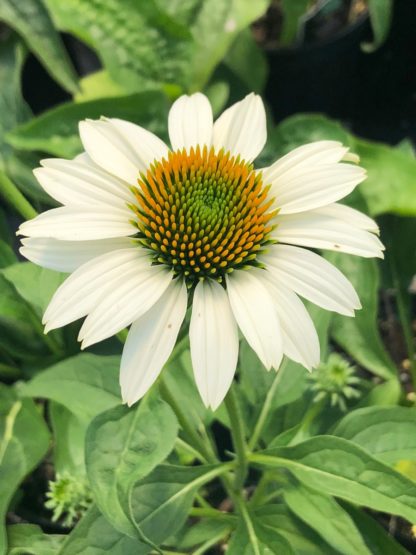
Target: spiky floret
203 213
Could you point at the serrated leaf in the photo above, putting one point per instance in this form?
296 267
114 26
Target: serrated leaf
31 20
139 44
122 446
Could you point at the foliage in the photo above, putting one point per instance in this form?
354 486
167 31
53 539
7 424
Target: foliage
324 457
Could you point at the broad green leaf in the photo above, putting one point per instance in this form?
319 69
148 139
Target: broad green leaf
94 535
384 394
29 539
31 20
262 540
302 539
56 131
69 439
34 284
24 440
13 112
388 433
381 13
359 336
20 333
138 43
390 185
335 466
85 384
322 513
7 256
202 532
122 446
160 503
246 60
379 541
98 85
214 28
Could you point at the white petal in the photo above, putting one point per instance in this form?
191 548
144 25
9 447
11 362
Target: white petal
316 230
349 215
305 188
80 223
75 182
120 147
190 122
253 309
150 342
132 293
81 292
312 277
241 129
306 156
67 256
214 342
300 340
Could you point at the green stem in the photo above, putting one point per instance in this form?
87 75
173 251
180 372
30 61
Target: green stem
196 440
265 409
242 509
211 513
14 197
237 433
313 411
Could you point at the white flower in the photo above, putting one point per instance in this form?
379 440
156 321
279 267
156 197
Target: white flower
145 230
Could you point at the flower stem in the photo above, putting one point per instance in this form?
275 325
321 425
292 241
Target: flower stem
237 433
14 197
258 429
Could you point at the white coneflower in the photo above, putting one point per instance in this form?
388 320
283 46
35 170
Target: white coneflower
146 230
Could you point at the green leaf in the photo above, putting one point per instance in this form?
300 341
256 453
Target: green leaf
18 335
160 503
85 384
122 446
262 540
34 284
69 439
337 467
56 131
202 532
292 13
24 440
384 394
378 540
381 13
7 256
139 45
390 185
31 20
359 336
98 85
247 61
214 29
29 539
322 513
303 540
94 535
388 433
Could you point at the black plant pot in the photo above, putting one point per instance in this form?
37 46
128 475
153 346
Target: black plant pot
320 77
